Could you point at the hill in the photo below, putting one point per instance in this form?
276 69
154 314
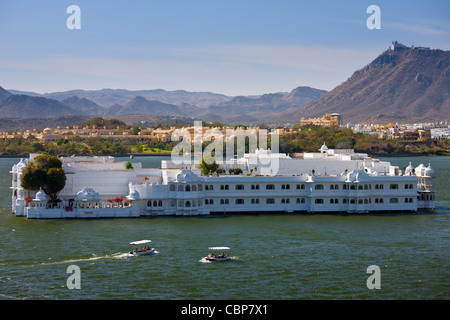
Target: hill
4 94
261 108
401 84
23 106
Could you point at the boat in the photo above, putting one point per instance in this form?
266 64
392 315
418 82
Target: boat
144 250
218 254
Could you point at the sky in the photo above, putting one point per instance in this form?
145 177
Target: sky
245 47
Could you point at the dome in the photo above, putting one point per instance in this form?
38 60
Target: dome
409 170
47 131
187 176
357 176
88 194
429 171
420 170
323 148
134 195
20 165
40 196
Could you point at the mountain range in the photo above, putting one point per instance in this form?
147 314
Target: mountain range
401 84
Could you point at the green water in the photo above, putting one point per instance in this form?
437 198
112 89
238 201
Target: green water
275 256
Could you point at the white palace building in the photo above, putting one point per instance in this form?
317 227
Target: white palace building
329 181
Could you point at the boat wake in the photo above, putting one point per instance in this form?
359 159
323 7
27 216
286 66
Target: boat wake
118 255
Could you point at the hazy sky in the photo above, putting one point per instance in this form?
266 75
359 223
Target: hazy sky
232 47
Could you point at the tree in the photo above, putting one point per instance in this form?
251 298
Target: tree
208 167
44 172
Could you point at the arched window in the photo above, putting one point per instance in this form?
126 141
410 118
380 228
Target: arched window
172 187
194 187
187 204
180 187
188 188
159 203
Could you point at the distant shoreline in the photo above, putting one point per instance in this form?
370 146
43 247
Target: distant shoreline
159 154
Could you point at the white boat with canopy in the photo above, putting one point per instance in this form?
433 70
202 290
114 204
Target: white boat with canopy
218 254
142 251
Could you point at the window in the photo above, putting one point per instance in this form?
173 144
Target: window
360 187
257 201
222 201
200 188
206 201
270 201
285 200
270 187
344 187
285 187
149 203
393 200
188 204
172 187
318 187
180 188
239 187
226 187
188 188
239 201
160 203
227 201
393 186
194 188
318 201
302 186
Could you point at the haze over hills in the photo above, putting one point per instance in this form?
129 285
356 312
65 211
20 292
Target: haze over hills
402 84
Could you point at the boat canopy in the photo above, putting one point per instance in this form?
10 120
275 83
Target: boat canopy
219 248
140 242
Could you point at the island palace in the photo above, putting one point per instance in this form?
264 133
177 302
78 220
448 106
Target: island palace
329 181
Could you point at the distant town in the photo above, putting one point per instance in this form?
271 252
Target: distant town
100 136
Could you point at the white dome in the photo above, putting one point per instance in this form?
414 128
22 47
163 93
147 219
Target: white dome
409 170
420 169
323 148
429 171
134 195
20 165
188 176
40 196
88 194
